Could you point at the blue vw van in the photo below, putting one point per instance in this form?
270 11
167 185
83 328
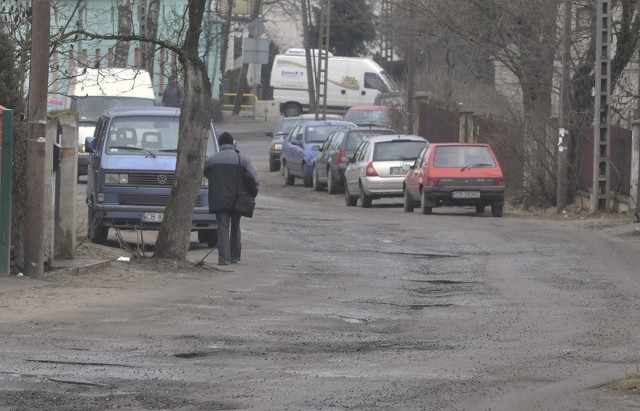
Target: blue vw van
132 161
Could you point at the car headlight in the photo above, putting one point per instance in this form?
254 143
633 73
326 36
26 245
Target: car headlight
276 147
205 182
116 178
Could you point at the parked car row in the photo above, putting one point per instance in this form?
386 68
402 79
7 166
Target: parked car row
368 163
282 130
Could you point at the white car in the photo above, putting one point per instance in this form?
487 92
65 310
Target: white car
379 166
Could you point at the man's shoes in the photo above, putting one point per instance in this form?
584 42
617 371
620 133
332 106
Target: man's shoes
235 260
223 263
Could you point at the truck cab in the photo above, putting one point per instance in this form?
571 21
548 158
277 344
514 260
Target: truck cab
132 161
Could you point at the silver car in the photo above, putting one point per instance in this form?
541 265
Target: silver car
379 166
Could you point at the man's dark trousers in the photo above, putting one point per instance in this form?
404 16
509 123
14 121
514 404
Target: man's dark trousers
229 245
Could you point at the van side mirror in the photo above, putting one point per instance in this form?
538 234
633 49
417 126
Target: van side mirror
90 144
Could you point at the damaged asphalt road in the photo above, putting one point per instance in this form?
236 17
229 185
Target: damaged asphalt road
336 307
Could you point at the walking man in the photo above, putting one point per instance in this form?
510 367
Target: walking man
172 96
229 173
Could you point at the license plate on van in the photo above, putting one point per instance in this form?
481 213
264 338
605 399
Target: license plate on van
465 194
152 217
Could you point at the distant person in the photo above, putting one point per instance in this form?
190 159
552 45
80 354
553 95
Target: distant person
229 173
172 96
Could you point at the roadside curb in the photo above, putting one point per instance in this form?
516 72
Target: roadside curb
77 266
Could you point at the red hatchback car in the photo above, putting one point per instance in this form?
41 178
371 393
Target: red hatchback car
455 174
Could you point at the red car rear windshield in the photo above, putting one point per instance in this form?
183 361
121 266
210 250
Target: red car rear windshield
463 156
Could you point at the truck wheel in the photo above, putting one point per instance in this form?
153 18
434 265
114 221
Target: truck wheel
423 204
408 202
306 178
349 200
332 186
208 236
365 200
317 186
496 210
96 232
288 178
274 165
292 110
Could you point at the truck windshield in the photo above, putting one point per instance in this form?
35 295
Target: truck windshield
89 108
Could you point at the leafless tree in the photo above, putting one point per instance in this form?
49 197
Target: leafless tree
125 28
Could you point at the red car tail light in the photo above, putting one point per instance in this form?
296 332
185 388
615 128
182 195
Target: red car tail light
341 157
431 181
371 172
500 181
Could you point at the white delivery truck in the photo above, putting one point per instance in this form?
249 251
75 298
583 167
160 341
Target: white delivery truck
91 91
351 81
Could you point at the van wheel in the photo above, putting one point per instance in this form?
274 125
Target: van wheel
96 232
292 110
288 178
208 236
496 211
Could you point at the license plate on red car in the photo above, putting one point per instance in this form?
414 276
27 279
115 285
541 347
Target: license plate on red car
465 194
397 171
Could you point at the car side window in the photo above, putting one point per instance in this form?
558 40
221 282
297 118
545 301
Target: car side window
420 158
293 133
329 142
363 149
357 152
335 144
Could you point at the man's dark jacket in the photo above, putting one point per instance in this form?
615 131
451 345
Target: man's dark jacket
223 172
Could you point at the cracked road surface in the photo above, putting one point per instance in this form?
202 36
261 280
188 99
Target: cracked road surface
336 307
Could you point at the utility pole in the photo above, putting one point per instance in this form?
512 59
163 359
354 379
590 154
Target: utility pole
309 61
564 114
411 74
602 111
34 213
323 59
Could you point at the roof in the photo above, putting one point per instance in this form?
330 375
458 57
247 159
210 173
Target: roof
122 111
328 123
369 108
392 137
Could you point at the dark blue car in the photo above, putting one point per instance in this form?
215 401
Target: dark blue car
302 145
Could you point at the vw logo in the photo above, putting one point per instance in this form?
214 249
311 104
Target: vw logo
162 179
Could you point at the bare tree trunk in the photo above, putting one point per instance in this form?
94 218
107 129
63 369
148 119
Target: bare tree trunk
147 49
195 120
311 80
224 47
125 22
242 81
